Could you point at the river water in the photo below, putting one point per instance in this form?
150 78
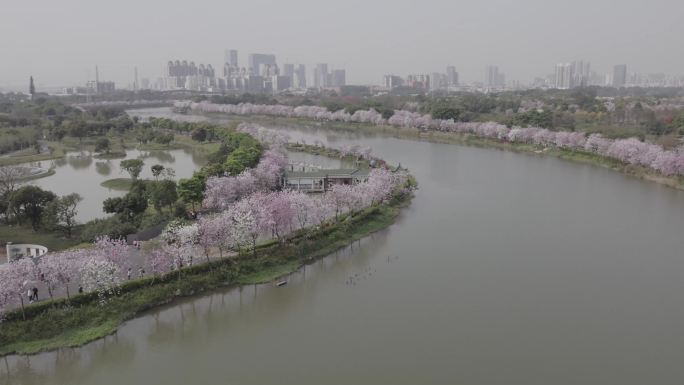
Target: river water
82 173
505 269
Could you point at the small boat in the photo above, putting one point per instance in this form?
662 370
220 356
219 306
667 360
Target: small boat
281 283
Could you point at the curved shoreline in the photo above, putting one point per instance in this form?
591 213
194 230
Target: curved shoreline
83 320
640 172
44 173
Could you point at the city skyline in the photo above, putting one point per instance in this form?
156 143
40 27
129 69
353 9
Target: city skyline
459 35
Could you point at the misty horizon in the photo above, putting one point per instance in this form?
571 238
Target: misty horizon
61 43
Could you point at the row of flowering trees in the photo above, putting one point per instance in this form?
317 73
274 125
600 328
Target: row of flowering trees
99 269
267 214
245 208
630 151
241 210
223 191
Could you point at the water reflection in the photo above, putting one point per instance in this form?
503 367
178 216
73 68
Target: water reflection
161 156
103 168
505 269
80 161
189 325
89 174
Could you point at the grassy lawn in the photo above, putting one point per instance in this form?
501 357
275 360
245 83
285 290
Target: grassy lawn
58 151
180 142
24 234
119 184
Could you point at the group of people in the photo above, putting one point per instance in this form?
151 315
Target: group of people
33 294
129 273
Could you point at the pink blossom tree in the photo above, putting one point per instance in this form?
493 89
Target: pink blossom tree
244 230
59 269
631 151
160 261
340 197
102 276
16 278
115 251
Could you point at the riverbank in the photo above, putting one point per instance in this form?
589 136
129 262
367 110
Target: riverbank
60 323
57 150
42 174
636 171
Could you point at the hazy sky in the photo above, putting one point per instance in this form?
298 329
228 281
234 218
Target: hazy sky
60 41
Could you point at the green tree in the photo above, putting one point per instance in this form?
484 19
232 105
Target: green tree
199 134
31 202
446 112
144 134
163 194
129 206
241 159
78 129
61 213
157 169
103 145
163 138
678 123
192 190
133 167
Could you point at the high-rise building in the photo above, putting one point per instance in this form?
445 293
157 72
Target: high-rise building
581 73
184 75
230 57
321 75
418 81
288 70
254 84
338 78
269 70
438 81
493 78
280 83
452 76
564 76
619 75
393 81
256 62
299 78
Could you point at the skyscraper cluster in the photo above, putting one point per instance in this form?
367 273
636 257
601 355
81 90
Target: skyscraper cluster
432 82
261 75
325 79
187 75
493 78
571 75
619 75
